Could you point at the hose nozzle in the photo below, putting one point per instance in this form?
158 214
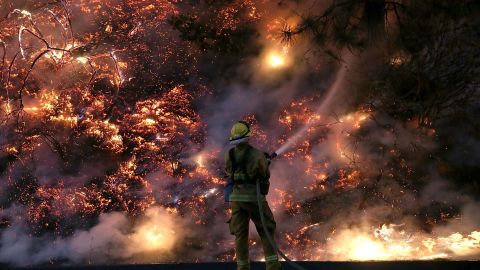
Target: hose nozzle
271 156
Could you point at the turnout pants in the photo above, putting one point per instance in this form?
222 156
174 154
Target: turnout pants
242 213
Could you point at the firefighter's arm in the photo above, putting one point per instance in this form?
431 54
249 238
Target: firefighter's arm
262 167
265 166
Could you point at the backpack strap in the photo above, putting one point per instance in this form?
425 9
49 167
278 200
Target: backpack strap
243 164
231 155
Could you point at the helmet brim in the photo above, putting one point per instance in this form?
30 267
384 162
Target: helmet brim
239 140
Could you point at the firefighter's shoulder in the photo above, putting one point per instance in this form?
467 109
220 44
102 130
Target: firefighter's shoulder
255 152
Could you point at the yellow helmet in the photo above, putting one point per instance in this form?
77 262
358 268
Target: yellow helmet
240 130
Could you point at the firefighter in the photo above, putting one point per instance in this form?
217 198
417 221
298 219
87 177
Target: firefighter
245 165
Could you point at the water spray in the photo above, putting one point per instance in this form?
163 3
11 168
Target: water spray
331 93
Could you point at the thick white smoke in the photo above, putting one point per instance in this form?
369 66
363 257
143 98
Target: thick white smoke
115 238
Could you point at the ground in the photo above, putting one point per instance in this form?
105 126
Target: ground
404 265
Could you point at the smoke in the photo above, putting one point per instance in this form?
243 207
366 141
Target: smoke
114 238
122 161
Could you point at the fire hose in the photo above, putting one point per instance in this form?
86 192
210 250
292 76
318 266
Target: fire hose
264 224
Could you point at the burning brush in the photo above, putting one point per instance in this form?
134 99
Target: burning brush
105 147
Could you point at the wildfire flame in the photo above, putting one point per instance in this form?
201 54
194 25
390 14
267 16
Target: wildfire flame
75 97
390 243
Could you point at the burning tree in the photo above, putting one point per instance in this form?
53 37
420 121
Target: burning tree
110 115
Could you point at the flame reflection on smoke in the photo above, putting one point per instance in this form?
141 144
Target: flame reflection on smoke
156 233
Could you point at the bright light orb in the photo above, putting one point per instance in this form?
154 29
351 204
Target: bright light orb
276 60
